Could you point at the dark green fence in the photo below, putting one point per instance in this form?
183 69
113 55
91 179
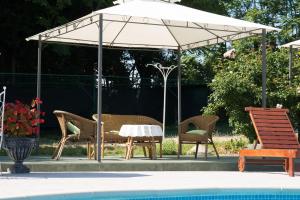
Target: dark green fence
78 94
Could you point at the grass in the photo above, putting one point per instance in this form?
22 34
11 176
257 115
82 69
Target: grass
226 145
231 145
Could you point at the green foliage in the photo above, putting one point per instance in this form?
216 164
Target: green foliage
194 70
169 147
215 6
237 84
231 146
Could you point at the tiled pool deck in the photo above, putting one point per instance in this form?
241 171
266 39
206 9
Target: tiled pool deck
75 175
76 182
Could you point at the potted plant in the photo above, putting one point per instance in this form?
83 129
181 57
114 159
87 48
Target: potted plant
21 128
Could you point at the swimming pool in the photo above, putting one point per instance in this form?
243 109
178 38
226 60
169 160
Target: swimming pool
205 194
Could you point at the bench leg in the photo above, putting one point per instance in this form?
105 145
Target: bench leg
241 163
286 164
291 167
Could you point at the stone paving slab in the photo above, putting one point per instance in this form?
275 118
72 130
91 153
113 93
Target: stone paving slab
168 163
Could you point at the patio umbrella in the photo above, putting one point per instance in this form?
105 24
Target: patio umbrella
151 24
291 46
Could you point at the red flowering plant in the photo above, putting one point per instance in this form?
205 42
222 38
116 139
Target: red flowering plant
21 119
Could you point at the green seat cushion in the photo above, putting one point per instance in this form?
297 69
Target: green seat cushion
72 128
197 132
114 132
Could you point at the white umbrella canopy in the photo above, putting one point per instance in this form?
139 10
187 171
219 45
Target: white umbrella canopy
152 24
291 46
294 44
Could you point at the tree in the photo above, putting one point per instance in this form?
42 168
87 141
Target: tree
23 18
237 84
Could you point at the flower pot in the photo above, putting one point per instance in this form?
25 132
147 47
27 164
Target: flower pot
18 149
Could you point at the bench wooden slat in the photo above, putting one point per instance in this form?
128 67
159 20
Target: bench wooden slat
277 121
272 141
272 137
279 146
269 113
274 125
285 129
270 117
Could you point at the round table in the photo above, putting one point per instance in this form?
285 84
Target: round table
148 132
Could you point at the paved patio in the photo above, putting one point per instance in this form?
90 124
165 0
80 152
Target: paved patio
167 163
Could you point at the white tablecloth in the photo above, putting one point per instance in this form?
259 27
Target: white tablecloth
143 130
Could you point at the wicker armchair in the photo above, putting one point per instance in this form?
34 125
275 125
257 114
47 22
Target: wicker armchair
112 124
205 123
85 134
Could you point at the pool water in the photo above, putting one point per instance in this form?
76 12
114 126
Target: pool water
211 194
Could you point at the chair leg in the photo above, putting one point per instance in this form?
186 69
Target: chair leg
206 149
62 145
132 152
196 153
88 149
95 150
102 150
215 148
91 151
160 149
144 150
126 150
57 149
179 150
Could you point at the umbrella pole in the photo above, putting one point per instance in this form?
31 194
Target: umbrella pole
164 111
290 64
99 100
179 89
264 69
38 85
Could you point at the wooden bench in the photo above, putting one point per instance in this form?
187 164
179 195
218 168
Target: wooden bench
276 135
